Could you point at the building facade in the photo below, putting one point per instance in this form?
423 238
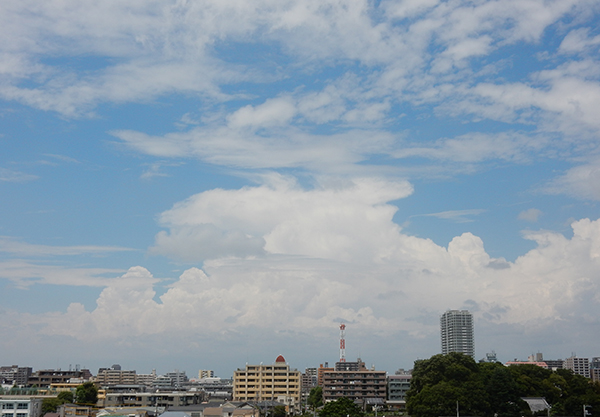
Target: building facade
580 366
456 328
116 377
321 373
21 405
44 378
151 399
397 387
359 386
275 382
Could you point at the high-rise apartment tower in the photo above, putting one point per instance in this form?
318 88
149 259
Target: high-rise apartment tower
457 332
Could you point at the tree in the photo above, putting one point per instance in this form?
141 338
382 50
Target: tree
86 394
315 398
342 407
66 397
442 381
279 411
50 405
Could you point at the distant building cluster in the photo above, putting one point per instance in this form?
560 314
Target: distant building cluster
253 389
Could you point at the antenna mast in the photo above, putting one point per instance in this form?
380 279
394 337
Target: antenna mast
342 343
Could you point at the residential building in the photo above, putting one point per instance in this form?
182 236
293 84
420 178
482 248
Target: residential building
320 373
397 387
151 399
516 362
216 387
75 410
15 375
309 381
44 378
115 376
580 366
359 365
21 405
178 378
457 332
146 379
595 369
276 382
203 373
359 386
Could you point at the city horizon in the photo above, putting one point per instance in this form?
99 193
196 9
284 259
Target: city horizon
220 182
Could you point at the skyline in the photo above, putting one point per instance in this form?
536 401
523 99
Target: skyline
220 182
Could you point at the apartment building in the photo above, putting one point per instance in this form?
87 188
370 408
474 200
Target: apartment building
397 387
21 405
580 366
44 378
151 399
359 386
276 382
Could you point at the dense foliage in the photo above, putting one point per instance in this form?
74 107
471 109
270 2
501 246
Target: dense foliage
443 382
342 407
86 394
50 405
315 398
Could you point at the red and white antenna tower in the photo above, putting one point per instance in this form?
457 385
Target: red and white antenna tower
342 343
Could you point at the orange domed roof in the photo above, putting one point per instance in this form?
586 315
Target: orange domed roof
280 359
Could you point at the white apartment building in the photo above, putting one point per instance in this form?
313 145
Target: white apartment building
580 366
456 327
21 405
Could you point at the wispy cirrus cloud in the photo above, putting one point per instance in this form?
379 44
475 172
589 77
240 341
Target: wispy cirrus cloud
458 216
9 175
19 248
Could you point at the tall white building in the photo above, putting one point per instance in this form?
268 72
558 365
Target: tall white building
579 366
457 332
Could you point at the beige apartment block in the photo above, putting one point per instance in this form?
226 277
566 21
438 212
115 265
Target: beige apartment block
276 382
116 377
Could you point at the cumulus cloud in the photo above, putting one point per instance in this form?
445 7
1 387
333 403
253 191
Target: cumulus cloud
541 288
281 217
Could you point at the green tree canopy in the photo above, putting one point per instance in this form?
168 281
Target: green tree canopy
315 397
86 394
50 405
66 397
342 407
490 389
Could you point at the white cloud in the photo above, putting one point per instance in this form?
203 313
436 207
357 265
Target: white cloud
24 273
459 216
19 248
530 215
9 175
281 218
541 289
582 181
269 148
276 111
578 41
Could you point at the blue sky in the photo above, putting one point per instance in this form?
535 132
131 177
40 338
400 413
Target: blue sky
197 185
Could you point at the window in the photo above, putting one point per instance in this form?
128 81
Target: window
8 406
22 406
21 414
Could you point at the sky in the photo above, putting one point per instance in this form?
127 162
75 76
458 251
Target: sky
204 184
